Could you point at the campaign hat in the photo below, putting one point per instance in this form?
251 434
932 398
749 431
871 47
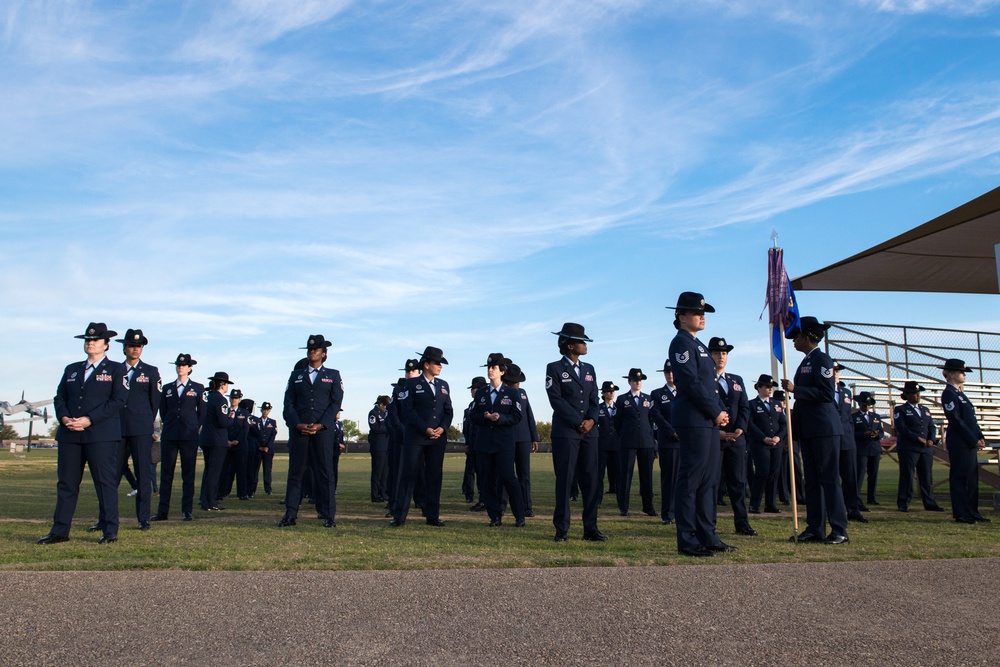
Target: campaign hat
265 406
184 359
910 387
778 396
221 376
478 382
573 331
513 373
496 359
667 367
608 385
634 374
765 380
316 342
411 365
133 337
693 301
955 365
865 398
810 326
236 393
431 353
97 331
718 344
382 400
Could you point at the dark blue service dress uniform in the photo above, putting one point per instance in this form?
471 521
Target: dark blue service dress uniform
816 423
634 425
470 480
574 398
312 400
267 430
214 441
378 449
423 404
101 395
844 399
182 409
767 420
733 472
235 466
138 417
961 439
693 412
527 433
869 449
607 449
495 446
667 443
912 422
398 430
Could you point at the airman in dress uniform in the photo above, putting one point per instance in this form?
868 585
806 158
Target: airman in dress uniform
378 448
234 467
214 440
634 425
527 436
915 438
843 397
571 386
607 439
732 392
182 408
698 413
868 434
470 479
264 456
312 401
816 422
667 442
962 439
88 405
767 431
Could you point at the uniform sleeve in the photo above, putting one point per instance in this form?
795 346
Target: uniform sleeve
290 415
742 408
953 412
560 406
619 415
59 400
530 416
155 391
449 411
684 361
782 433
201 408
899 423
329 417
825 388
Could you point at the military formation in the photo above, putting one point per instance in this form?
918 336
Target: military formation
715 444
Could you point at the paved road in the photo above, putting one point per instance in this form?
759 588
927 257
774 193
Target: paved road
872 613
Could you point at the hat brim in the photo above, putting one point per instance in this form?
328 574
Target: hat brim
186 363
585 339
107 335
727 349
131 343
707 308
325 345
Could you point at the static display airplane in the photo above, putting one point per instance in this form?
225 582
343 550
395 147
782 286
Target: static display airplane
33 408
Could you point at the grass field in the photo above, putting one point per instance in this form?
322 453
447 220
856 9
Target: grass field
245 536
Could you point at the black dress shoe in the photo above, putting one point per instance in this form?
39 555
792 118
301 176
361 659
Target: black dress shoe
529 513
52 539
396 523
188 517
574 498
215 508
329 523
623 512
160 516
388 515
286 521
107 539
863 508
903 509
649 512
964 519
872 501
934 508
746 530
144 525
666 522
753 510
981 519
520 523
722 547
857 516
805 537
495 522
721 503
560 535
478 507
772 510
93 529
836 539
267 493
595 536
698 552
437 523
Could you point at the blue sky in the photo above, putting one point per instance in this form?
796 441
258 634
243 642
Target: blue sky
234 176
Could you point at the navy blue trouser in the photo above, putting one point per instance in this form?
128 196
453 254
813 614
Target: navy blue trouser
140 448
697 484
963 481
188 450
824 496
628 460
575 459
669 467
416 462
313 452
102 459
734 481
766 469
921 461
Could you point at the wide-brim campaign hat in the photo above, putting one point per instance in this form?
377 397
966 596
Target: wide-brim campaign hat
316 342
667 368
865 398
383 399
910 387
236 393
808 325
950 365
246 404
398 383
693 301
97 331
478 382
133 337
265 406
431 353
779 396
221 376
496 359
717 344
184 360
608 385
573 331
635 374
765 380
513 373
837 366
411 365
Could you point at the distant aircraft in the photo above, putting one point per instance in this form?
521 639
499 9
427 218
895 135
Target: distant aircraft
33 408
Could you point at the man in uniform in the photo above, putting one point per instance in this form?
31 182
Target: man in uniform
607 440
868 434
88 404
915 437
471 482
527 437
234 467
571 386
767 431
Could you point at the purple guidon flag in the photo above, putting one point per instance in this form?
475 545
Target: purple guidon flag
782 307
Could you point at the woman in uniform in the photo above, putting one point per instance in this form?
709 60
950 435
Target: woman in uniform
962 438
214 439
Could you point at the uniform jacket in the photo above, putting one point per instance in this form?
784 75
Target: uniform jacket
634 421
697 402
912 422
662 428
218 419
738 406
526 429
963 428
844 403
766 423
268 430
143 400
501 435
239 429
468 428
396 427
253 432
378 431
816 415
606 434
316 402
182 414
101 398
863 423
573 399
421 408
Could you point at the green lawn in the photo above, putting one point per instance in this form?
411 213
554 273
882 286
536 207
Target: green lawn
245 537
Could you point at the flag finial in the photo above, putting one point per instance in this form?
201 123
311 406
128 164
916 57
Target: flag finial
774 237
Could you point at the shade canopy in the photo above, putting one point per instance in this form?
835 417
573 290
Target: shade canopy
956 252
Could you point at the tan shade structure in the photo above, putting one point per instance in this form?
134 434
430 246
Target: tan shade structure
956 252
